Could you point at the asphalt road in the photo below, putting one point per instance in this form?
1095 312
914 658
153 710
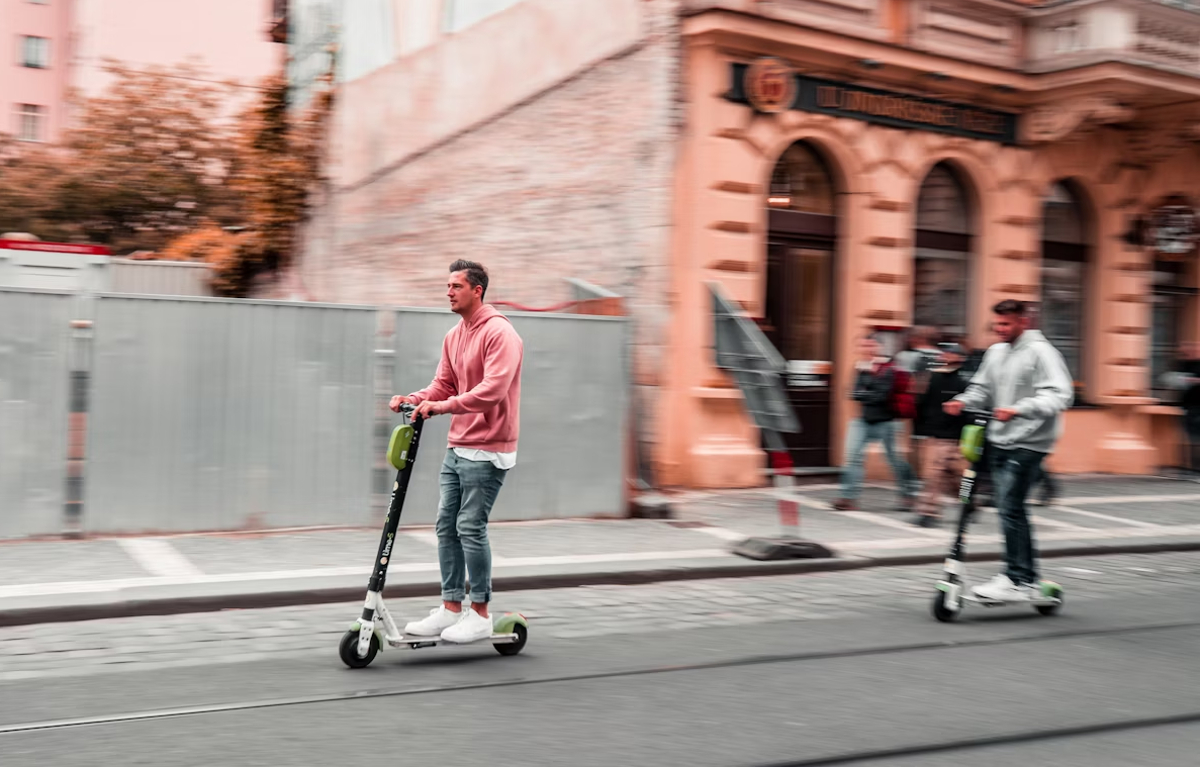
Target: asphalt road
846 668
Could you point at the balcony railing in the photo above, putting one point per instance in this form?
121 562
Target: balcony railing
1162 34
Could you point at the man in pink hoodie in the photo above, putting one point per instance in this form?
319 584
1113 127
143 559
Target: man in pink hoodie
478 382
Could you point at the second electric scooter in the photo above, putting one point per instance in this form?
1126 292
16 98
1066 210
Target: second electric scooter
953 592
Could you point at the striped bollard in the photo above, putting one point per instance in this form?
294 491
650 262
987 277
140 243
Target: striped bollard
789 507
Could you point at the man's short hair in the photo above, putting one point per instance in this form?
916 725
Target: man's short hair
1009 307
477 275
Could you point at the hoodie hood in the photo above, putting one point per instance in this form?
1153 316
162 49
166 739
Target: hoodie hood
483 314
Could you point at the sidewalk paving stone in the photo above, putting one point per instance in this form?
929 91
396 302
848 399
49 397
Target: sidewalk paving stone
205 571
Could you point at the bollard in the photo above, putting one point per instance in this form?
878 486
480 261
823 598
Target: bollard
789 507
789 544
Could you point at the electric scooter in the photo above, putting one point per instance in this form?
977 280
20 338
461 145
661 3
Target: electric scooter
375 628
953 592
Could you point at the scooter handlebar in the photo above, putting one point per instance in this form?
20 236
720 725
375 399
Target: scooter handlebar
985 415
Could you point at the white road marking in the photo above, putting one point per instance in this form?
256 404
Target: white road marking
424 536
158 557
1043 521
1106 517
1110 499
896 524
121 584
1080 570
723 533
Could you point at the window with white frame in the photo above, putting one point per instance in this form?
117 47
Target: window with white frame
460 14
1068 37
35 52
31 122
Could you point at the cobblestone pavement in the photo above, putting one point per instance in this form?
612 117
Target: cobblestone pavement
141 643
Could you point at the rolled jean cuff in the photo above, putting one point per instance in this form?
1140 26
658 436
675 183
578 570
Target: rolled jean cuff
480 599
453 596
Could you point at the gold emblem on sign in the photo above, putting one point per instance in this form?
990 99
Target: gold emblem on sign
770 85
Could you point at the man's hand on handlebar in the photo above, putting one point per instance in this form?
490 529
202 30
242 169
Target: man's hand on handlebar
429 409
954 407
397 401
1003 414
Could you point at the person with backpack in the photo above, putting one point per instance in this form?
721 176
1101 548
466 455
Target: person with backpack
918 357
883 393
944 463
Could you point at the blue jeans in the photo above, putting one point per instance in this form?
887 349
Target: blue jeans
1013 474
469 488
858 437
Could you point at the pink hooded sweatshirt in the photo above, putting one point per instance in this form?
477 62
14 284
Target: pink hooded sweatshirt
480 377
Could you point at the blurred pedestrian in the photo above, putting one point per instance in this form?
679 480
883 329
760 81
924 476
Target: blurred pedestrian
1186 380
1024 381
874 390
478 382
920 354
943 462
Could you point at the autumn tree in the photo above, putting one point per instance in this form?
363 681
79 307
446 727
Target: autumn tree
30 176
148 160
154 164
142 163
276 162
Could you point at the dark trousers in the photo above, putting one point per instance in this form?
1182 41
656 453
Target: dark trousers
1191 443
1014 473
1048 482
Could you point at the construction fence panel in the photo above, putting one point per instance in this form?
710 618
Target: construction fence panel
35 346
573 430
216 414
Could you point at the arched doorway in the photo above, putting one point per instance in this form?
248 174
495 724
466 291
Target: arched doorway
1062 311
942 266
801 238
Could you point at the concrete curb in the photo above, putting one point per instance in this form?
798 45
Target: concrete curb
286 598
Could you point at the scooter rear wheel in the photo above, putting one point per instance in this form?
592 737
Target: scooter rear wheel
1051 609
941 610
348 650
514 647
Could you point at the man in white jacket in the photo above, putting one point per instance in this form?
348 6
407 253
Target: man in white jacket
1024 381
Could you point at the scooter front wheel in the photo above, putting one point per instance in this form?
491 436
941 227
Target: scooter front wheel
348 650
941 610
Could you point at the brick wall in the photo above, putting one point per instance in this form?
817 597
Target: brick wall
575 182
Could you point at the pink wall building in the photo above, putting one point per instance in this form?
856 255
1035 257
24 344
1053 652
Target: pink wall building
35 62
74 40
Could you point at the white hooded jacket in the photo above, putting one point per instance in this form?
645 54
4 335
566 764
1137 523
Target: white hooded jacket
1031 377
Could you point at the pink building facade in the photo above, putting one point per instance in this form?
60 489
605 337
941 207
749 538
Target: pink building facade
35 65
53 48
833 167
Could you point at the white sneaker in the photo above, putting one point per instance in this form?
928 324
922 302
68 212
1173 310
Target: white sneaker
1002 589
472 628
438 621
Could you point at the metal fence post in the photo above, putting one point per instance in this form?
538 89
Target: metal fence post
80 372
385 371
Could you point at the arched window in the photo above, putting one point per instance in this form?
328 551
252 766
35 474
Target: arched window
1173 286
942 270
1062 313
801 182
